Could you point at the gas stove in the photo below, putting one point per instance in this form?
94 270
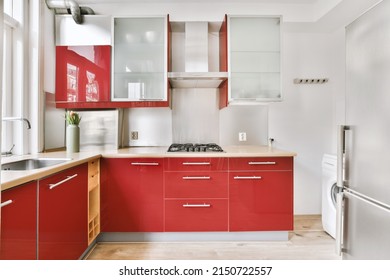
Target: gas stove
189 147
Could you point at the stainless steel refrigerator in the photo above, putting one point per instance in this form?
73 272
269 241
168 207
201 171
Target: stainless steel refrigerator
363 209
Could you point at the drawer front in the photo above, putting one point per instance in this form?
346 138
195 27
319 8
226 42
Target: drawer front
196 215
196 184
261 163
196 164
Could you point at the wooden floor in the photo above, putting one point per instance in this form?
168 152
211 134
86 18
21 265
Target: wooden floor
308 241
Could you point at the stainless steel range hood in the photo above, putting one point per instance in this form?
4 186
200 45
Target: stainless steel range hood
196 72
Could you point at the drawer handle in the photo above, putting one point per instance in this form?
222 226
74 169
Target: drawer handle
52 186
261 162
247 177
196 163
5 203
196 178
145 163
204 205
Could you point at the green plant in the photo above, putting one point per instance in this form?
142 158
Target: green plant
72 118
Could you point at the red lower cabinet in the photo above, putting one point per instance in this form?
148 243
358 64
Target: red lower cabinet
196 215
132 195
19 223
261 200
63 214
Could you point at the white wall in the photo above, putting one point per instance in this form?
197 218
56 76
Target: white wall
305 121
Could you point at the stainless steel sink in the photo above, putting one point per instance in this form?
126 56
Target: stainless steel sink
33 163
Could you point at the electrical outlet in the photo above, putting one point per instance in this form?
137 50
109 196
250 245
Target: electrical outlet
242 136
134 135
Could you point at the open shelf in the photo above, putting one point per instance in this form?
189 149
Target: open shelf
93 200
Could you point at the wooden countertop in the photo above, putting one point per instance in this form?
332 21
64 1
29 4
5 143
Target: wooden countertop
10 179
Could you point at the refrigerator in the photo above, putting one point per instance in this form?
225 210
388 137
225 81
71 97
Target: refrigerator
363 206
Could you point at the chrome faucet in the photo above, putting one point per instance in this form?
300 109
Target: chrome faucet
18 119
8 153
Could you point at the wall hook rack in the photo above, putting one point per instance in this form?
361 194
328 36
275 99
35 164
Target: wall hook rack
311 81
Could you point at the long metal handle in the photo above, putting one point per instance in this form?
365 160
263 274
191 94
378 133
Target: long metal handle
339 222
52 186
196 163
145 163
5 203
196 177
204 205
247 177
340 155
261 162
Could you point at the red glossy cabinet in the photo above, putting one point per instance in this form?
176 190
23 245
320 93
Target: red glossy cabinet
19 223
261 194
83 75
196 194
132 195
63 214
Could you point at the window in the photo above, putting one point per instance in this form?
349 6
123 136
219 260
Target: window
13 86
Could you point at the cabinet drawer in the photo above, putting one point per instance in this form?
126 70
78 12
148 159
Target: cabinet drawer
196 215
196 184
261 163
196 164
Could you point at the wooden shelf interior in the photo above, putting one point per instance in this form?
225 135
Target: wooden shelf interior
93 200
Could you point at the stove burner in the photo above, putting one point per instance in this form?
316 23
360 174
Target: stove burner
189 147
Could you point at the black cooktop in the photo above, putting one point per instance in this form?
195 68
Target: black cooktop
189 147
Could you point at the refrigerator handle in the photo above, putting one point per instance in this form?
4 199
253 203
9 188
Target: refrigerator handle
339 222
340 155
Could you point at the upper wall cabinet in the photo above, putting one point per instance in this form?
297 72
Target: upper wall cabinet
254 58
83 62
140 60
82 76
95 31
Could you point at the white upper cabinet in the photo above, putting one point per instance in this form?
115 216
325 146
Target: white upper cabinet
254 58
140 59
95 31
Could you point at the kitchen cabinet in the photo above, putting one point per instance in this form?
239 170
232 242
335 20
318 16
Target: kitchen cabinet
132 195
140 61
261 194
254 58
63 214
19 223
83 76
83 62
93 199
196 194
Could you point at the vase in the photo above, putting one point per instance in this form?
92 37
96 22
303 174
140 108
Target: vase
72 138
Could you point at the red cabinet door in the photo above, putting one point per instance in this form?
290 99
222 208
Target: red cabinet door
261 200
83 75
19 223
132 195
63 214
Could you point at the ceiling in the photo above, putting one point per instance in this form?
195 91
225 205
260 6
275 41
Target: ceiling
299 15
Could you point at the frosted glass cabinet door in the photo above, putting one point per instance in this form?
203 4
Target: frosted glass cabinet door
254 57
140 59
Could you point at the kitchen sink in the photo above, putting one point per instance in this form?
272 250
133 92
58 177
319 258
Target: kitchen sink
33 163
